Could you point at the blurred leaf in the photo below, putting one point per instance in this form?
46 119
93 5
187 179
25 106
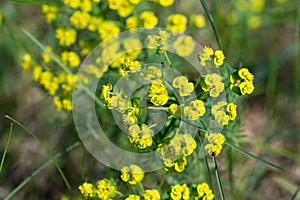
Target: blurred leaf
6 147
53 2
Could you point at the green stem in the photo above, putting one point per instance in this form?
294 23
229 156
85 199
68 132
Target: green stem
211 21
168 59
230 169
253 156
297 51
38 170
218 177
141 187
6 147
120 194
157 108
45 148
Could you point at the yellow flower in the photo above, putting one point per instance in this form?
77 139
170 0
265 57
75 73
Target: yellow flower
163 35
184 45
231 109
158 93
106 189
108 29
67 104
205 55
165 3
257 5
246 87
204 192
180 192
241 82
125 8
132 22
214 84
129 118
153 41
195 110
245 74
149 19
133 47
254 22
184 87
141 138
36 73
219 58
70 59
152 72
175 109
80 20
26 61
86 5
50 12
133 197
57 102
94 23
87 189
151 195
132 174
72 3
180 164
66 36
177 23
214 146
198 20
45 55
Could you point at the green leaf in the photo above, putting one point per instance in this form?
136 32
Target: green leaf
6 147
44 147
255 157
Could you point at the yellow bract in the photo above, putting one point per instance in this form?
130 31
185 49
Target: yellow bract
66 36
179 192
87 189
184 45
158 93
204 192
149 19
214 84
214 146
151 195
185 88
177 23
132 174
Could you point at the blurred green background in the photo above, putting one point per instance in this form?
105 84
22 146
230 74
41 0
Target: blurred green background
265 39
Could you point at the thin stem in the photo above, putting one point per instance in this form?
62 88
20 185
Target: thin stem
253 156
157 108
38 170
218 177
211 21
45 148
168 59
6 147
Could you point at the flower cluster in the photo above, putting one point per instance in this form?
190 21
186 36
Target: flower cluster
223 112
213 84
215 142
174 154
158 92
194 110
104 189
159 41
142 138
208 54
241 81
185 88
132 174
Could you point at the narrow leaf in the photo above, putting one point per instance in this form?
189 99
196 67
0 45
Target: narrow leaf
253 156
45 148
6 147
